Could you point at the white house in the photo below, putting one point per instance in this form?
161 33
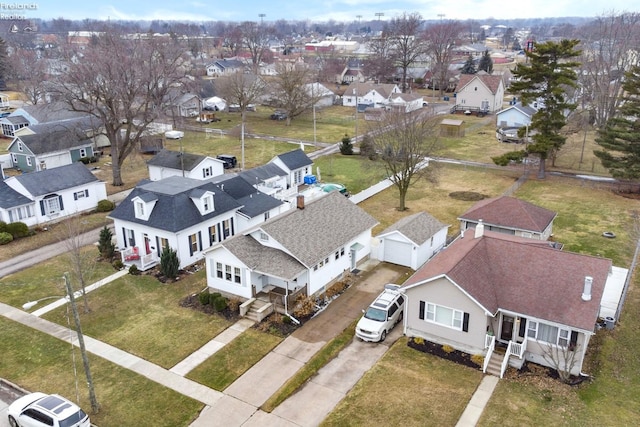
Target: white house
301 251
479 92
406 102
490 288
369 95
174 163
296 164
189 215
40 197
515 116
325 96
412 240
223 67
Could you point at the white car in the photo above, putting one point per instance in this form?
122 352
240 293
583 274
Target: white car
382 315
51 410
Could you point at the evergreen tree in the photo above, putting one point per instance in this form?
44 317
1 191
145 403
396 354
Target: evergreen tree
620 138
105 244
486 63
469 67
169 263
550 72
4 60
346 147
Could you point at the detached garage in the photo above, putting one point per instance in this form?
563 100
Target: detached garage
411 241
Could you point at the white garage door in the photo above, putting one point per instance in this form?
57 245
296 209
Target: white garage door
397 252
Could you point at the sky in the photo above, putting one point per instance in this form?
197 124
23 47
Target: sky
315 11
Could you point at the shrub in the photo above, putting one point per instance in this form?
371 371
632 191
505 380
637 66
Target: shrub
204 298
105 244
3 227
5 238
305 306
418 340
234 305
346 147
84 160
169 263
367 148
117 264
133 270
447 348
18 229
219 303
105 205
478 359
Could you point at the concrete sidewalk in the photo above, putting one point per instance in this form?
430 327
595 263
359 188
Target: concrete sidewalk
481 396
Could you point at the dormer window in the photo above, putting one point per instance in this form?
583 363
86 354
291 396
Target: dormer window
207 203
140 209
143 205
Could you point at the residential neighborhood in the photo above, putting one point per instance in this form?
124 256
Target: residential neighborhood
270 223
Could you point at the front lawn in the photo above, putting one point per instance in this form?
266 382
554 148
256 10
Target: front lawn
410 388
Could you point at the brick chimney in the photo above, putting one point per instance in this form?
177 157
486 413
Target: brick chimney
300 201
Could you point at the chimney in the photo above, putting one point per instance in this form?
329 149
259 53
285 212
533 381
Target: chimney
300 201
586 292
479 230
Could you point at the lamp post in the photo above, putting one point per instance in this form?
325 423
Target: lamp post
355 92
31 304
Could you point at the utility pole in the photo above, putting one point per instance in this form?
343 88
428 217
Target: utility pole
262 15
85 360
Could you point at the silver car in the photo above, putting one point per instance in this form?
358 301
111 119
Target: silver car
51 410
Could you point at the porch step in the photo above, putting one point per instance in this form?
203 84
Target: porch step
495 364
253 310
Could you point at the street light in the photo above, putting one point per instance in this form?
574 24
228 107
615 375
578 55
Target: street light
31 304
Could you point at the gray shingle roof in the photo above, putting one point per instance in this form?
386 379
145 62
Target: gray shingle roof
52 112
295 159
10 198
254 202
262 259
56 179
324 225
16 120
524 276
418 227
172 159
40 143
174 209
261 173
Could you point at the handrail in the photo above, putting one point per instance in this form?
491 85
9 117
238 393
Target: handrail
518 349
490 345
505 361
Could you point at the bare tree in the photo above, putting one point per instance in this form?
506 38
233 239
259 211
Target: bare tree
289 91
440 39
563 358
255 38
30 74
381 64
241 89
123 82
405 142
606 46
406 45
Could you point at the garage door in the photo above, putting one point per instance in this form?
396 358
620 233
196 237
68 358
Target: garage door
397 252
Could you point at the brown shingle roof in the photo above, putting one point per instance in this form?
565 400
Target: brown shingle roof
492 82
509 212
522 275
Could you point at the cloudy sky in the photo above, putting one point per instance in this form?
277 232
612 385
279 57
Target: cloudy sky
318 10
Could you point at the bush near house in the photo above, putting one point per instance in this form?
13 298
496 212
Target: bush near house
17 229
105 205
5 238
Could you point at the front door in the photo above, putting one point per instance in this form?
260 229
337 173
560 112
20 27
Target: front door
506 333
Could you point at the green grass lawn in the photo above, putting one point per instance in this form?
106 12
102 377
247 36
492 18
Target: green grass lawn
234 359
355 172
39 362
409 388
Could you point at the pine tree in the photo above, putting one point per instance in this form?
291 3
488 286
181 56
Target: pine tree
4 60
486 63
620 138
346 147
105 244
169 263
546 79
469 67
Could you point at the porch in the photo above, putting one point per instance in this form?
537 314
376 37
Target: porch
132 256
498 357
271 299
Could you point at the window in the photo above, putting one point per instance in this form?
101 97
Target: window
297 177
207 204
29 161
19 146
267 215
337 254
442 315
83 152
264 236
226 228
18 214
236 275
162 243
213 235
342 252
227 272
52 205
14 159
130 237
80 194
139 209
550 334
207 172
219 270
193 243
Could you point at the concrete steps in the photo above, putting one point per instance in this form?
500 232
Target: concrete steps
256 310
495 364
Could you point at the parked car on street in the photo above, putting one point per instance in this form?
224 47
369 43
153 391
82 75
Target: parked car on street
278 115
382 315
40 409
230 161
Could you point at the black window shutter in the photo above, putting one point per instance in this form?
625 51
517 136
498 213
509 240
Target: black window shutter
574 338
210 236
158 246
42 207
232 232
61 204
86 193
465 322
523 327
75 196
190 246
133 239
199 240
124 234
421 313
219 235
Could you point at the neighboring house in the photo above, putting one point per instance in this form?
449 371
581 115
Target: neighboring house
515 116
186 214
49 150
489 288
296 164
412 240
87 125
302 251
185 105
351 73
223 67
510 215
11 124
325 96
269 179
369 95
40 197
406 102
38 114
479 92
174 163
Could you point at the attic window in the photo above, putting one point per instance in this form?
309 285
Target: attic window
475 88
207 203
264 236
19 146
139 209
